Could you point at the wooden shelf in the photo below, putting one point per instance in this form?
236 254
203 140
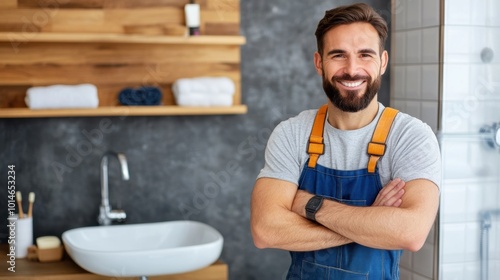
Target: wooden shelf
49 37
68 269
114 46
122 111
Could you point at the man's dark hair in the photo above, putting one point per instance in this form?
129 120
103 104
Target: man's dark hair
359 12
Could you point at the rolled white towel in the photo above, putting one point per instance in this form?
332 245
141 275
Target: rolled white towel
204 99
62 96
219 85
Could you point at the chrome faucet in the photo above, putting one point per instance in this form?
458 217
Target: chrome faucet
106 214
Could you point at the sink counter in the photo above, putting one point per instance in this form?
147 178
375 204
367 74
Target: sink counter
67 269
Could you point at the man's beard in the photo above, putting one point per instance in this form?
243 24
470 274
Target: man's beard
352 102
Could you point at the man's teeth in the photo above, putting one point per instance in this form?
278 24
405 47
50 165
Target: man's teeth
351 84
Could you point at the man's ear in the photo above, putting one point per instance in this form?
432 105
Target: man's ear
318 63
384 61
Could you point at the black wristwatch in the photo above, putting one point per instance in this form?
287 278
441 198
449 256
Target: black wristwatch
313 206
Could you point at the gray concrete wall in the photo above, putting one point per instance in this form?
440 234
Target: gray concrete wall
195 167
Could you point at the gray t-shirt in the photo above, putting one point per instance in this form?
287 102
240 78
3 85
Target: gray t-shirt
412 151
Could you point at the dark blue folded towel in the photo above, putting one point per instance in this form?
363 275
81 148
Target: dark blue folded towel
140 96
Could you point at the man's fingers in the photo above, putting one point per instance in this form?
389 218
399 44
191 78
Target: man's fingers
393 200
391 193
391 188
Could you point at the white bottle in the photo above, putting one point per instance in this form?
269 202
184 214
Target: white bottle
192 11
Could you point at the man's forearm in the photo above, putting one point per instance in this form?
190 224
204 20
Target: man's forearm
376 227
404 227
294 233
274 225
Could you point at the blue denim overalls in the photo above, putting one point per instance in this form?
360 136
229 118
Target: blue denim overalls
353 187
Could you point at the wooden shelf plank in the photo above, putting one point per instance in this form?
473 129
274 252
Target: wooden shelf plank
50 37
122 111
68 269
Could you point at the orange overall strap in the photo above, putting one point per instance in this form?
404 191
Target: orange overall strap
376 148
316 146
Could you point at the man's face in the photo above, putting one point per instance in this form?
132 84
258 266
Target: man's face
351 65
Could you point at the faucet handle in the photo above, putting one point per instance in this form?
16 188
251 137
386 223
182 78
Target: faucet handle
123 163
118 216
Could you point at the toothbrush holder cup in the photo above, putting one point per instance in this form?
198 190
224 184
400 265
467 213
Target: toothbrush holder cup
24 235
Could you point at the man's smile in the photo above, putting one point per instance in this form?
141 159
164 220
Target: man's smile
352 84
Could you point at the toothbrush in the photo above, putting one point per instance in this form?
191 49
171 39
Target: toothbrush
19 199
31 199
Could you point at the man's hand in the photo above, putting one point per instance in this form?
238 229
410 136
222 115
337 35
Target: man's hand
389 195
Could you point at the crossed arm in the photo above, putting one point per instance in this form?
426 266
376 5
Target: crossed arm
400 217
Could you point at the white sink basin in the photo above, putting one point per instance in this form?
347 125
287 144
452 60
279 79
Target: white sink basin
144 249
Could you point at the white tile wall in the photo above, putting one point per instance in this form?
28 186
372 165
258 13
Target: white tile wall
462 271
492 13
478 14
453 201
430 82
414 46
430 13
398 78
470 162
457 12
463 44
469 115
472 241
415 52
399 14
405 274
398 50
423 262
453 246
494 242
471 98
456 84
419 277
456 44
413 14
461 236
495 268
469 81
413 82
406 259
398 104
429 113
473 270
451 272
413 108
454 117
430 45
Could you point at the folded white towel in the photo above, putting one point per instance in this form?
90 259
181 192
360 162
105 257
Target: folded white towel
62 96
204 91
220 85
203 99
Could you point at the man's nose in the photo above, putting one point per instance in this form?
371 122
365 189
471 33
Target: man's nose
351 67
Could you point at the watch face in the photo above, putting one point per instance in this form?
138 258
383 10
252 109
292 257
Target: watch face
314 203
313 206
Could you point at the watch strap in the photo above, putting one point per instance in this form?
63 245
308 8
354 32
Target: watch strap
312 207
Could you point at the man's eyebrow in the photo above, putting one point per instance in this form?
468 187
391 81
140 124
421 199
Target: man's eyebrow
371 51
339 51
336 51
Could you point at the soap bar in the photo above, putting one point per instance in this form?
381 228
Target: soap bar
48 242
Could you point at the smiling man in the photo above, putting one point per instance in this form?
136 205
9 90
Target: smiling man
346 187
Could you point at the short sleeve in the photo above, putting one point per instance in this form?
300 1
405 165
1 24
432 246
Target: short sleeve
417 154
281 155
